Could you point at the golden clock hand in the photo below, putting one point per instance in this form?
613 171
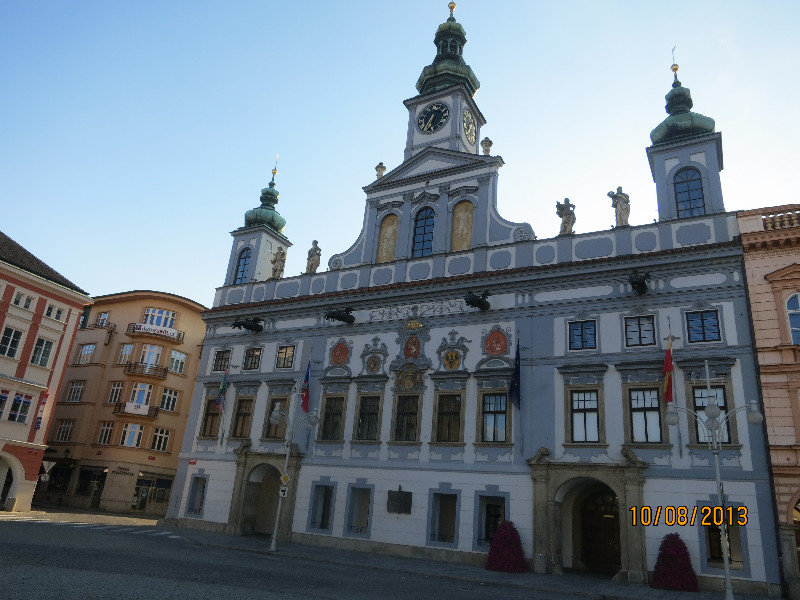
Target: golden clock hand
429 124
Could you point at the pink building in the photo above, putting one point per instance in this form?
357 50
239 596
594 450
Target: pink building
39 313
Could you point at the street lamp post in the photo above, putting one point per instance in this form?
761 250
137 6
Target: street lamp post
310 420
713 425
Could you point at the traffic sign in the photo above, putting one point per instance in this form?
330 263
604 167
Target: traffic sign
285 478
283 492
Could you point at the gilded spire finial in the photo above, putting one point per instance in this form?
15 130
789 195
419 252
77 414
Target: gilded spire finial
452 7
274 171
674 67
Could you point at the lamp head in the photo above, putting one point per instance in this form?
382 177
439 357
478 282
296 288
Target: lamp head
754 415
312 420
672 416
275 416
712 410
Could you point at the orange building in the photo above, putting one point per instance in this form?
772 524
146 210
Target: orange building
771 240
39 313
119 421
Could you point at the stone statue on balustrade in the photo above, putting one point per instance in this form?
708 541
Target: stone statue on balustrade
621 203
566 212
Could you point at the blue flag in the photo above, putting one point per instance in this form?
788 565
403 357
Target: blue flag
513 388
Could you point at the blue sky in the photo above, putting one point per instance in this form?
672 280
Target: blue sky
135 135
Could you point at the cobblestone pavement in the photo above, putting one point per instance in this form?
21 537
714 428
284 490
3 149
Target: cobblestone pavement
70 554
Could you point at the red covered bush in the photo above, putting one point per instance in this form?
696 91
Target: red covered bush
673 570
505 553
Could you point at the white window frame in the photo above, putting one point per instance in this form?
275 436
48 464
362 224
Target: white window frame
177 362
41 352
64 431
160 439
115 391
132 433
106 431
151 355
160 317
9 342
85 355
169 399
75 391
20 407
141 393
125 353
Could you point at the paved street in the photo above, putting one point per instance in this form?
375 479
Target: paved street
72 555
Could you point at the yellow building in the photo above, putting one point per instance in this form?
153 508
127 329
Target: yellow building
119 421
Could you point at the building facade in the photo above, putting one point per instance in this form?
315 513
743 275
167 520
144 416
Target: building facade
119 420
771 241
413 337
39 314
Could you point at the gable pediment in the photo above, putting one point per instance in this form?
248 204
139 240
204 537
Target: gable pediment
429 161
786 274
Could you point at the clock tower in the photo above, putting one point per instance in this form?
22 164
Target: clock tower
444 115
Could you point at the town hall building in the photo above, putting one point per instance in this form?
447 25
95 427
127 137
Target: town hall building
421 437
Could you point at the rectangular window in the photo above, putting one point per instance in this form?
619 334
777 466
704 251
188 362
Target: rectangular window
222 359
64 430
332 419
368 410
448 418
645 416
151 354
131 435
494 418
252 359
141 393
169 399
160 439
197 494
115 391
585 416
714 546
285 358
102 319
75 391
405 423
242 418
19 408
9 342
493 512
640 331
49 312
59 312
322 507
159 317
702 397
106 430
28 301
210 419
86 354
582 335
443 515
358 511
177 361
3 400
18 299
41 352
703 326
125 352
277 431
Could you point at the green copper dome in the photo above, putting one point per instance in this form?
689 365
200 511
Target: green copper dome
448 68
266 213
681 122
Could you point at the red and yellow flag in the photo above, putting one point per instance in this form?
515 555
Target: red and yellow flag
668 372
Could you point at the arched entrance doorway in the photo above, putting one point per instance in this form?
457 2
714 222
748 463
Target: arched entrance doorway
11 474
599 530
260 502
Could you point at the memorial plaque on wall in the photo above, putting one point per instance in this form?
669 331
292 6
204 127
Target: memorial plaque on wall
399 502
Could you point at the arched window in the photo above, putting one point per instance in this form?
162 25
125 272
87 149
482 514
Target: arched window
461 231
793 312
243 266
387 239
689 193
423 233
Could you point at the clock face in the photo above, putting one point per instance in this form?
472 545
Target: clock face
469 126
433 117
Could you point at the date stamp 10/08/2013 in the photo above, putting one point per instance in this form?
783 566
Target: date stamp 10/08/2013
685 515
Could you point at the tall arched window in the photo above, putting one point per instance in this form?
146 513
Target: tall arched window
793 312
387 239
689 193
423 233
461 231
243 266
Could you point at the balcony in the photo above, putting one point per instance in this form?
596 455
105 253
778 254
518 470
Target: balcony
146 369
163 333
131 408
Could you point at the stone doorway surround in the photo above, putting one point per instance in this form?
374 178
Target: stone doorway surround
246 463
553 480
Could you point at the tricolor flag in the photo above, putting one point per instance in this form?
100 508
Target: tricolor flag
513 388
223 387
304 390
668 371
